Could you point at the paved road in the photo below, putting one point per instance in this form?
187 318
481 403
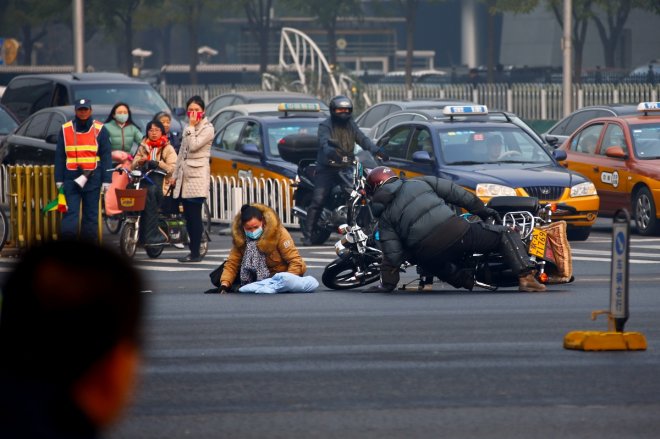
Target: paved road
348 365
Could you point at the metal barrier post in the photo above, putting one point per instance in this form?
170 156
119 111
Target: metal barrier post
615 339
29 189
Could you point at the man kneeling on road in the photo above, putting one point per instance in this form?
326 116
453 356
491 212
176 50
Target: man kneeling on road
415 222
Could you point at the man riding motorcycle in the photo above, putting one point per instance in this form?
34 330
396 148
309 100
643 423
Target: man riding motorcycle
337 138
416 224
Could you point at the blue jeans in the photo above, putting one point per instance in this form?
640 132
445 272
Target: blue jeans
89 226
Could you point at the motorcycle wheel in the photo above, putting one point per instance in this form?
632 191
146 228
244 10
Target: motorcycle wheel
340 274
153 251
128 240
319 236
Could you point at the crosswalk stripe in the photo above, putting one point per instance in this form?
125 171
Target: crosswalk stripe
608 252
609 260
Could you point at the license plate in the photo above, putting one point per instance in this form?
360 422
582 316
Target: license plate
538 243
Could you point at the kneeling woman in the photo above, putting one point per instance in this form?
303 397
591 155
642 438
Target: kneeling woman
155 152
262 247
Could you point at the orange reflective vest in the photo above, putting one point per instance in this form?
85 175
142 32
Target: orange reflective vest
81 148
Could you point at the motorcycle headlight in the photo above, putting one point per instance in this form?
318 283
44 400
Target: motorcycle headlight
583 189
494 190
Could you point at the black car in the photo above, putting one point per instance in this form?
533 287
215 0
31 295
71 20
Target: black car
34 141
561 131
27 94
260 97
8 122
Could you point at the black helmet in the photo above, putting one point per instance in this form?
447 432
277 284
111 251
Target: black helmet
341 103
378 177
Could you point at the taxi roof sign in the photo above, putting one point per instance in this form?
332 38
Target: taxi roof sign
298 106
648 106
452 110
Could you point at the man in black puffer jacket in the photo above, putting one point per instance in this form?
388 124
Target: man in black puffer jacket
337 135
415 222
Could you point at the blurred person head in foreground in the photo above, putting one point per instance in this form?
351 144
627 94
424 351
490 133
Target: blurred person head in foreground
70 341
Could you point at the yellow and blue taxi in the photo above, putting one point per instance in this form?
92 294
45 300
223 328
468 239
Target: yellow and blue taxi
491 158
247 146
621 155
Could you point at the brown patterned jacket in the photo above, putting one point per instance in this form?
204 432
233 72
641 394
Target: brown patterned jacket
275 242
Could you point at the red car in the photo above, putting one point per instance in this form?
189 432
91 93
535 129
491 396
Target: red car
621 156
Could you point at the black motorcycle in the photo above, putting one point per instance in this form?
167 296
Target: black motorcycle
359 258
302 149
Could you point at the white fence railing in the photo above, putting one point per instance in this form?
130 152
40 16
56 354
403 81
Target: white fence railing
228 194
529 101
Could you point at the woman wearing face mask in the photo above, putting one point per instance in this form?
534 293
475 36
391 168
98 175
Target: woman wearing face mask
123 131
261 248
192 174
155 152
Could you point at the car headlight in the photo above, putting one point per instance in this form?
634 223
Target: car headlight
494 190
583 189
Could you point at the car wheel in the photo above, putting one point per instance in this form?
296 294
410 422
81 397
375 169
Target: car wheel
645 213
578 233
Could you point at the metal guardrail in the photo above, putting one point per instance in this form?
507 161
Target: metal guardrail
228 194
24 190
530 101
29 188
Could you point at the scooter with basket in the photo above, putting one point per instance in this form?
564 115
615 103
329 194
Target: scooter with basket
131 201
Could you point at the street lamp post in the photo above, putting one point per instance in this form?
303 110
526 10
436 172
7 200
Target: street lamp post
78 33
567 48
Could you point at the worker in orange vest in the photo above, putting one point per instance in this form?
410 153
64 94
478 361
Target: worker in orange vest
82 156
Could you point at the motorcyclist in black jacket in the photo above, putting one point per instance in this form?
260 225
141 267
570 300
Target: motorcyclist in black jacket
337 138
415 222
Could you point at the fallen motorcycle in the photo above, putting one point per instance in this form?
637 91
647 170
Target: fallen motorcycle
359 258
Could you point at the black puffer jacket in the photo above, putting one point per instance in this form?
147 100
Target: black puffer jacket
414 209
327 152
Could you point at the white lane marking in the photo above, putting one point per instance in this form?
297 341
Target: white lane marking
609 260
169 268
609 252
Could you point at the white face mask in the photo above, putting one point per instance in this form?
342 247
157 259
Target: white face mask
121 118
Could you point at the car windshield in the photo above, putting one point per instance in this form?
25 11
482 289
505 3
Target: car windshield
474 146
135 95
278 131
647 141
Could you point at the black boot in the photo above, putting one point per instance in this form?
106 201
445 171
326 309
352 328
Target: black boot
310 224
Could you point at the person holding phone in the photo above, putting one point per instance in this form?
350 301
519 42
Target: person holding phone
192 173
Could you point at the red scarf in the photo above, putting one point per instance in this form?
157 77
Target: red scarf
158 143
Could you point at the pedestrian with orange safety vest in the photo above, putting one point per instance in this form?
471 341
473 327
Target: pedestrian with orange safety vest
82 155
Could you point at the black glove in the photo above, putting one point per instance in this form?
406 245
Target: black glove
382 155
487 212
152 164
378 289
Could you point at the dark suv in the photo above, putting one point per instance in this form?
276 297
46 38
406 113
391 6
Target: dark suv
27 94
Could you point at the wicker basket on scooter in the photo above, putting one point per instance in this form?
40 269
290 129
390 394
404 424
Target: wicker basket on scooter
131 200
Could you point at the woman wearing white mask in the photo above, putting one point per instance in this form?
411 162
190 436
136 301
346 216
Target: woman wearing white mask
261 248
123 131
